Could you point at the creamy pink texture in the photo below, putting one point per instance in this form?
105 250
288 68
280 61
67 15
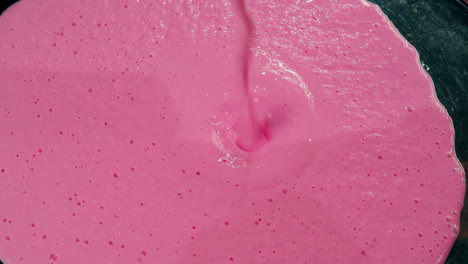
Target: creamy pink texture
193 132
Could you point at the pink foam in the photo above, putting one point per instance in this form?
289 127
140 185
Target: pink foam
194 132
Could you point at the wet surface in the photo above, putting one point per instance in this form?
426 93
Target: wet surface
437 29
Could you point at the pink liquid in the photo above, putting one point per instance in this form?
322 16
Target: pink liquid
213 132
252 133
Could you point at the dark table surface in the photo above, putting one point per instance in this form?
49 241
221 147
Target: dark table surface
438 29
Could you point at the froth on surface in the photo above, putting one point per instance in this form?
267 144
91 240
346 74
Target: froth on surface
119 128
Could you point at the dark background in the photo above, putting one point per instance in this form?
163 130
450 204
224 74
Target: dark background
438 29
